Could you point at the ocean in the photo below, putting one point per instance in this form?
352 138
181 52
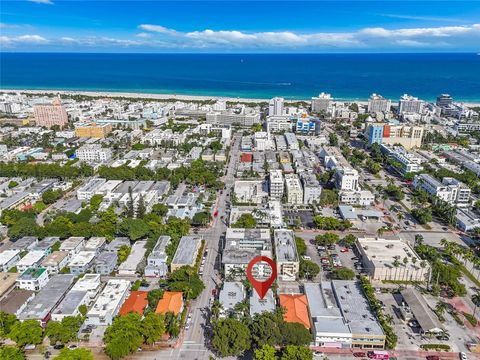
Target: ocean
293 76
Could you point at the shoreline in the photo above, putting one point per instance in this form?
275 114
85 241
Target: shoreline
181 97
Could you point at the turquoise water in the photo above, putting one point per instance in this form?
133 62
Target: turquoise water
293 76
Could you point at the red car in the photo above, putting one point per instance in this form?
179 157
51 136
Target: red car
433 357
344 250
359 354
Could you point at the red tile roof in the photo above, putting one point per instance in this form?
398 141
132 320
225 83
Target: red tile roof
136 302
172 301
246 158
296 306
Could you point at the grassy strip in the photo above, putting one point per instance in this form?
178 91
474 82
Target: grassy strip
470 318
437 347
457 319
468 274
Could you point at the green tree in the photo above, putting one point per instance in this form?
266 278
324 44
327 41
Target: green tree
124 336
6 323
349 240
63 331
295 334
50 196
12 184
328 198
95 202
230 337
186 279
423 215
343 274
246 221
292 352
333 139
301 247
153 297
75 354
266 329
83 309
123 253
135 229
327 239
26 332
130 204
201 218
153 327
266 352
160 209
11 353
308 269
141 208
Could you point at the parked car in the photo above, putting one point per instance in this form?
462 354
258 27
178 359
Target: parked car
58 346
462 356
306 257
359 354
433 357
318 354
29 347
344 250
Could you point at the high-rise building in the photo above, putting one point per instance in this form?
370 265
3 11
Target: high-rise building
377 103
321 102
410 104
49 115
444 100
275 107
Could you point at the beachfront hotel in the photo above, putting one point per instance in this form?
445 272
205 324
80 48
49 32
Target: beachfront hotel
52 114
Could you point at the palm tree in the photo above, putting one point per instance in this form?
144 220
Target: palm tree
441 307
476 301
389 319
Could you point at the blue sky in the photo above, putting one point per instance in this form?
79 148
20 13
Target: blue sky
239 26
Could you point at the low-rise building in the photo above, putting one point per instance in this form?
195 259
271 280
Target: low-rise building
346 179
7 282
41 306
172 301
16 301
32 259
81 262
361 197
258 306
47 244
93 130
392 260
105 263
233 293
251 191
136 302
296 309
33 279
73 245
70 304
129 266
93 153
89 283
288 264
55 262
157 259
187 252
109 302
8 259
312 190
24 243
96 244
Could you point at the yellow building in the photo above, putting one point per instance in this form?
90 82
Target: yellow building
93 130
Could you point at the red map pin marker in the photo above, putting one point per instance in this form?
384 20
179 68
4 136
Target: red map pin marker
261 287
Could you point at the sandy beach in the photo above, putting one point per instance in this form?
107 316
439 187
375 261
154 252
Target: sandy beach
114 94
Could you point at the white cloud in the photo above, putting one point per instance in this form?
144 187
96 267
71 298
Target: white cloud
144 35
157 28
23 39
444 31
14 26
48 2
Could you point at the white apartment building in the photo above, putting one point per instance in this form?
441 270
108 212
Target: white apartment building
250 191
81 262
73 244
377 103
275 106
93 153
55 262
288 263
90 283
86 192
408 161
311 188
109 302
294 189
278 123
262 141
362 197
410 105
450 190
321 102
33 279
346 179
292 141
8 259
32 259
276 184
157 260
70 304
